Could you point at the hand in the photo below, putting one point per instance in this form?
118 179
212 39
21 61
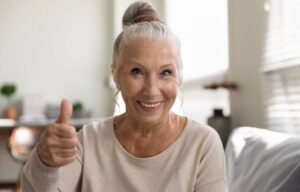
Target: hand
58 143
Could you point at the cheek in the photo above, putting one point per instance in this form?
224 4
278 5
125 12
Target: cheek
171 89
129 87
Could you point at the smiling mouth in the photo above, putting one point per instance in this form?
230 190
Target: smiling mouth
153 106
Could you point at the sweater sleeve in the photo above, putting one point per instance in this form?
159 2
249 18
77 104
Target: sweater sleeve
37 177
212 174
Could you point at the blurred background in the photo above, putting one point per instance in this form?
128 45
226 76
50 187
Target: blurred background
241 65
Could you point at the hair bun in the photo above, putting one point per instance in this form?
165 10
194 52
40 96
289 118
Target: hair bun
140 12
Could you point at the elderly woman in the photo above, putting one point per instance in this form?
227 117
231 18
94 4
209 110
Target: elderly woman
148 148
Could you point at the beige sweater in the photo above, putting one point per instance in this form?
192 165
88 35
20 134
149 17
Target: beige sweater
194 162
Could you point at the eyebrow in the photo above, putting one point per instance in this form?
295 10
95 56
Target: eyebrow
139 64
167 65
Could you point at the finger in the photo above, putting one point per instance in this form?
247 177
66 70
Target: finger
58 161
66 143
66 110
67 153
63 131
66 160
57 142
62 152
56 156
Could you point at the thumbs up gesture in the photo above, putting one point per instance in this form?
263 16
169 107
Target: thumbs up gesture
58 143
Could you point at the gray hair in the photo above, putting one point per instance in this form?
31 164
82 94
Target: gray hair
141 21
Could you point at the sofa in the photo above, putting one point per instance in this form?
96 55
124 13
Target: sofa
260 160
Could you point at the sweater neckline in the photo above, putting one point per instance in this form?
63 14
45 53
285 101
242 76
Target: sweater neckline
165 152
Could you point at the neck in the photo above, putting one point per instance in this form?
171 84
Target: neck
147 140
146 129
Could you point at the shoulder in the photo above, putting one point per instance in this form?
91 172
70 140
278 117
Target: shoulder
202 132
201 138
96 129
99 124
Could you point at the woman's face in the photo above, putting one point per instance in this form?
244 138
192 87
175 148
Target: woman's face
148 78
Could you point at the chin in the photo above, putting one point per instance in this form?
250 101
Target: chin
148 116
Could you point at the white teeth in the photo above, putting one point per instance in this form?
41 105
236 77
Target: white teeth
150 105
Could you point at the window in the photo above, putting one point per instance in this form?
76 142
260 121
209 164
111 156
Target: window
202 28
281 66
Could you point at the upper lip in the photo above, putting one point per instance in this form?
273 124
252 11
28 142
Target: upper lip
150 102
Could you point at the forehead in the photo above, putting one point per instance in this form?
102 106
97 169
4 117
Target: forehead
144 49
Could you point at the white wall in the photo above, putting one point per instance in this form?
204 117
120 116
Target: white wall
58 48
246 26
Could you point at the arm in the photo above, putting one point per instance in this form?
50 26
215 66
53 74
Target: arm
212 173
37 177
56 162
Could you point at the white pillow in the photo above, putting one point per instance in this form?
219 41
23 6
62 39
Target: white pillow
260 160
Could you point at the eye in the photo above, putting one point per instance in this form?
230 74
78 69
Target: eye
136 71
166 72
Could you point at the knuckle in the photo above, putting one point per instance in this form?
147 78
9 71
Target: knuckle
56 160
72 158
51 151
71 131
50 128
71 152
48 142
52 158
67 130
74 143
74 152
71 144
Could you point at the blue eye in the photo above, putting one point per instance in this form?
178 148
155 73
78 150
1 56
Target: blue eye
135 71
166 72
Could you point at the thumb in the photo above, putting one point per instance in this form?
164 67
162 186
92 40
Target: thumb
66 109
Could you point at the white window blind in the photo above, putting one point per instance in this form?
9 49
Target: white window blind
281 66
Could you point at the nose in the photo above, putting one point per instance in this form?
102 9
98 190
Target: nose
151 86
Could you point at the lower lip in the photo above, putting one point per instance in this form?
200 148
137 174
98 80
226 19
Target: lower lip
150 109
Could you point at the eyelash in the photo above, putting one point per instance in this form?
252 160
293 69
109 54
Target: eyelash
164 73
135 71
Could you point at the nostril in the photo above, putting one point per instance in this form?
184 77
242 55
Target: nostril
150 90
